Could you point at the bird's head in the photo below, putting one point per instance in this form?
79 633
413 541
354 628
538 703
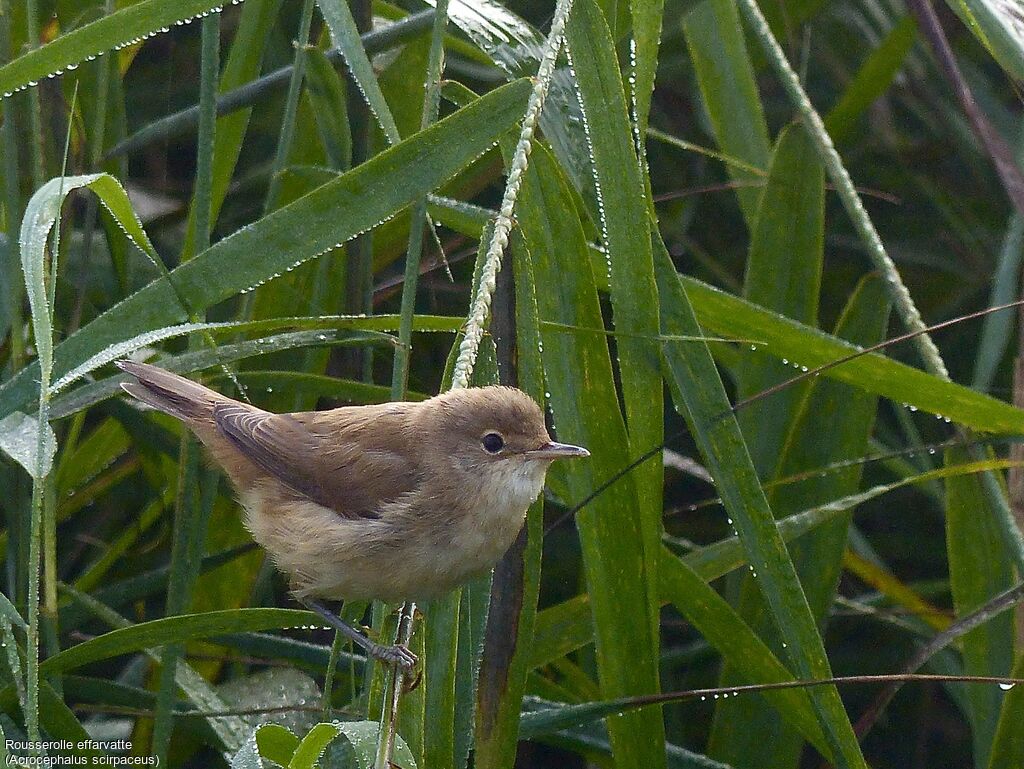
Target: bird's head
496 435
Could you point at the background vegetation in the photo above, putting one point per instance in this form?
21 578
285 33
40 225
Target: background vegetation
273 240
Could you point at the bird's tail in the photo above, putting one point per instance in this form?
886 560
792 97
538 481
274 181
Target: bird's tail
170 393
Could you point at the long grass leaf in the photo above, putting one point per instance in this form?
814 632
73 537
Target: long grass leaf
317 222
701 396
115 31
726 79
979 568
585 405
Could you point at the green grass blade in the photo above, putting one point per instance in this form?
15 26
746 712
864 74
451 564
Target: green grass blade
979 568
702 398
872 80
739 646
120 28
586 411
326 92
647 21
186 627
997 24
317 222
622 197
726 79
784 275
345 35
722 313
818 556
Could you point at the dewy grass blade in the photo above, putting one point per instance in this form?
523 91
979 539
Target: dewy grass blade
319 221
700 394
346 38
122 28
623 201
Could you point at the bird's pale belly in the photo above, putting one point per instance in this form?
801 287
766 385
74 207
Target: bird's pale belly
390 558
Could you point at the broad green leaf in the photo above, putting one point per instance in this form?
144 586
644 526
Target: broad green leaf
999 25
317 222
586 411
360 735
979 568
276 743
700 395
125 26
726 79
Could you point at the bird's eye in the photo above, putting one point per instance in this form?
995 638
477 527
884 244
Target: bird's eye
493 443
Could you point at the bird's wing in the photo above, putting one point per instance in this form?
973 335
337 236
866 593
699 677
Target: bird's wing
340 459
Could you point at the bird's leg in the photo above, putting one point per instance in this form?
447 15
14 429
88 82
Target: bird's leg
394 655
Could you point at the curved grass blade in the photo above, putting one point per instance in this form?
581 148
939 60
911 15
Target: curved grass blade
999 25
119 29
87 395
798 345
701 396
315 223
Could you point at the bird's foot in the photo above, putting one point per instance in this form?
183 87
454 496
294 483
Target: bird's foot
394 655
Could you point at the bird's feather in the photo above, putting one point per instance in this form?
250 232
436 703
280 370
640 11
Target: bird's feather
354 477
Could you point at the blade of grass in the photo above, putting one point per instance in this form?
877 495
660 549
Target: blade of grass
700 395
317 222
817 557
622 197
978 569
96 38
726 79
586 411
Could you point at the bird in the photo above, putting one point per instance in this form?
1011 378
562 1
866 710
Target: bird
397 501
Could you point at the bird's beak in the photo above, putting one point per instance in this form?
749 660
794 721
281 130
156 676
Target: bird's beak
552 450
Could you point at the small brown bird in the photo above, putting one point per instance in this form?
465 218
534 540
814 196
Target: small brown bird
397 501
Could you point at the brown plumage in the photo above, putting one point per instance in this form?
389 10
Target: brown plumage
397 501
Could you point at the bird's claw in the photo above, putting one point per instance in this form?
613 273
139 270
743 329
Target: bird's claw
396 655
